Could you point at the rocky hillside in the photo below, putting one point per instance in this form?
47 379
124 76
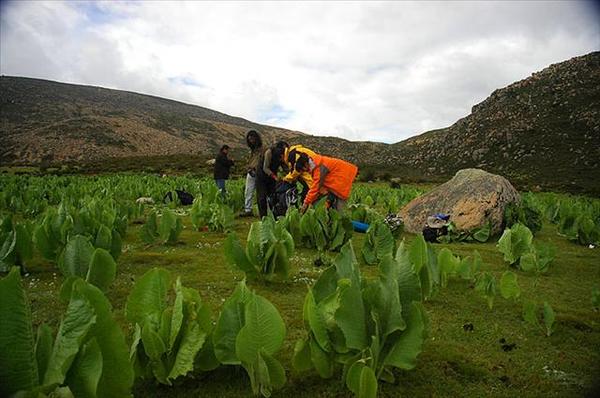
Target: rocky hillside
55 122
542 131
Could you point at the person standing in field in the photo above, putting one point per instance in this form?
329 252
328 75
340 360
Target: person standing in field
222 166
332 177
266 174
304 178
254 142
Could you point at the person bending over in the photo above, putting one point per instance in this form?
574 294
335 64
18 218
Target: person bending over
332 177
304 178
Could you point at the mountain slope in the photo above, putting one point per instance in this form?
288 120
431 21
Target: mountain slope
543 130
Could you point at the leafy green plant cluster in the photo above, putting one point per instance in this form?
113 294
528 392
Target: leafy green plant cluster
81 260
319 227
481 234
364 214
87 357
167 338
167 228
539 316
577 219
386 200
249 332
516 244
217 217
366 327
16 246
379 242
526 212
269 247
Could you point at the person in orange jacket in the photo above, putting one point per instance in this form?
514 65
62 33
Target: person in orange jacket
331 176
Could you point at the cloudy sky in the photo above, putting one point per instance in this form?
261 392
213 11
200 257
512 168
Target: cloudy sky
363 71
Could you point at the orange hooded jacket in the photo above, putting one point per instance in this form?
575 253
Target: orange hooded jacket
331 175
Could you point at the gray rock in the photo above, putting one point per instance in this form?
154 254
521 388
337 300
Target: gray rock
472 198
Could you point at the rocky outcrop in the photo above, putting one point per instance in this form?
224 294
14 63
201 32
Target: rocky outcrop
472 198
553 114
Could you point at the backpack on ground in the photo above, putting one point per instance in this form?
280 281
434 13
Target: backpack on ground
185 198
285 196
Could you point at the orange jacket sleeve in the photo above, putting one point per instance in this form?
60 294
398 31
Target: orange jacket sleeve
313 192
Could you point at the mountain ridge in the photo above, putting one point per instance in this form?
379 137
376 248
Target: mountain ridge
513 132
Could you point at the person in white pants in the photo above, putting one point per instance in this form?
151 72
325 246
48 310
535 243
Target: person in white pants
256 148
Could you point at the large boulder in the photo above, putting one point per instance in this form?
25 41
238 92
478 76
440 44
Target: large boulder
472 198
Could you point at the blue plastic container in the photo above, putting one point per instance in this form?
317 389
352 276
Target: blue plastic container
360 226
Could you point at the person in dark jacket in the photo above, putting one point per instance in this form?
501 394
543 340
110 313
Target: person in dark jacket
256 149
222 166
266 174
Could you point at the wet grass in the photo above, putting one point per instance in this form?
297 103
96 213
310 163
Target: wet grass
456 361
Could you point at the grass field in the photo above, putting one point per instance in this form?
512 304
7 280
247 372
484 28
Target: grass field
455 361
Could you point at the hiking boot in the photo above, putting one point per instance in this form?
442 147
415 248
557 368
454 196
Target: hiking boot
246 214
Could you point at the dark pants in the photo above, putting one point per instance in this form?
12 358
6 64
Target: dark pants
221 185
264 188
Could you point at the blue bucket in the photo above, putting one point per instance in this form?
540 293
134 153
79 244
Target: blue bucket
360 226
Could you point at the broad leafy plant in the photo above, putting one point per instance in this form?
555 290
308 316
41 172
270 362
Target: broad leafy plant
167 338
268 249
516 244
80 259
217 217
539 316
86 358
379 242
16 246
249 333
366 327
167 228
480 234
324 229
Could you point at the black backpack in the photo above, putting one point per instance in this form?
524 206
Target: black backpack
185 198
285 195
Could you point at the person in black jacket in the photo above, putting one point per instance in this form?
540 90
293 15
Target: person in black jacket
266 174
222 166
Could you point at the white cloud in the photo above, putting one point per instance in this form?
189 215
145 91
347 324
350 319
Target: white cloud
376 71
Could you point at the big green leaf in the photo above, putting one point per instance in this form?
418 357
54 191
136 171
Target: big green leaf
147 299
530 312
509 288
83 377
230 322
103 238
192 340
78 320
515 242
379 242
316 321
409 285
548 314
361 380
102 269
409 344
75 260
23 244
263 330
43 349
236 255
18 369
